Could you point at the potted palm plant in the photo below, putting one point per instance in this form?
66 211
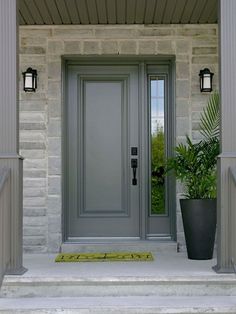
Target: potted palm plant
194 164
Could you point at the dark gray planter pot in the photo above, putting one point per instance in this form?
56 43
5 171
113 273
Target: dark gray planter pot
199 220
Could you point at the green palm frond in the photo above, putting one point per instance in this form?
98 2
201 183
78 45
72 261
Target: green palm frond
210 119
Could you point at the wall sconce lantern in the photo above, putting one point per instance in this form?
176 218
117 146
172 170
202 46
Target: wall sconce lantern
206 80
30 80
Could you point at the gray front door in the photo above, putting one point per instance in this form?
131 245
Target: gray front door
102 127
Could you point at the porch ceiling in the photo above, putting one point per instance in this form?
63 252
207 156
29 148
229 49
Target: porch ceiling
117 12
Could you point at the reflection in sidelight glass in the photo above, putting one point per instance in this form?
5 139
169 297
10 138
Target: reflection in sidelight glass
157 92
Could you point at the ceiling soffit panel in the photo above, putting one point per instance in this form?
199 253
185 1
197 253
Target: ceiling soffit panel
66 12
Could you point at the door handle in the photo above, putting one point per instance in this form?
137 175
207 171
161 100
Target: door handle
134 166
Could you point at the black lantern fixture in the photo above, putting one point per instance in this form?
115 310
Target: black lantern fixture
30 80
206 80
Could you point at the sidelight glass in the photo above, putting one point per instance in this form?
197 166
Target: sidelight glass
157 130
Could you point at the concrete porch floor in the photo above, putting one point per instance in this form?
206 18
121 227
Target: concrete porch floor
171 284
164 265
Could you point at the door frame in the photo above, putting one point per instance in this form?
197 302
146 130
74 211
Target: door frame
143 170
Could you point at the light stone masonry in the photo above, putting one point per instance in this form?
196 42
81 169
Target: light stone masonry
42 47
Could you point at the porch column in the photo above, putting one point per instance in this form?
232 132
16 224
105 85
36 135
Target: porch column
9 121
226 237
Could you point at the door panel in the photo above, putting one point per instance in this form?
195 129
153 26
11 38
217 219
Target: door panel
104 182
102 110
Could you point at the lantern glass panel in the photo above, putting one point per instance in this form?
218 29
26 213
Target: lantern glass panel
207 81
29 81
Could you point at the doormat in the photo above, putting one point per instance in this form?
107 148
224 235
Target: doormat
105 257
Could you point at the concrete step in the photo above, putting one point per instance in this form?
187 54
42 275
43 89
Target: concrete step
134 246
118 305
32 287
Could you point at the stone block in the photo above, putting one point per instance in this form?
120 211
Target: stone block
182 126
54 107
54 90
54 242
36 105
34 211
35 136
182 89
193 31
182 107
179 222
32 145
183 58
54 205
54 146
33 41
183 46
115 32
40 32
54 224
34 173
128 47
196 125
147 47
32 50
54 128
34 201
27 60
34 231
55 47
91 47
202 41
32 126
54 58
34 249
204 50
34 240
205 60
73 32
73 47
35 221
182 70
34 192
35 182
165 47
32 96
155 31
54 165
54 185
196 136
109 47
33 117
54 70
34 164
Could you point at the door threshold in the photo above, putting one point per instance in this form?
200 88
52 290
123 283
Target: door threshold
121 245
111 240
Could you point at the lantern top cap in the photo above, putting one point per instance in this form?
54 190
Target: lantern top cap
30 70
205 71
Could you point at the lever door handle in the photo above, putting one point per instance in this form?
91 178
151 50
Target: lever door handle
134 166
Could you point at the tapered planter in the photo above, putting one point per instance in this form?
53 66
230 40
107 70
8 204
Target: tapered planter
199 220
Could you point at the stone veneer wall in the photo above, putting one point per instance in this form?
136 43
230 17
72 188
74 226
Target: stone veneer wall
41 47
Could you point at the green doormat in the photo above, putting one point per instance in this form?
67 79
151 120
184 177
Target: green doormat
105 257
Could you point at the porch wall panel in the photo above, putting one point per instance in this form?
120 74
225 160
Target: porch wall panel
194 47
